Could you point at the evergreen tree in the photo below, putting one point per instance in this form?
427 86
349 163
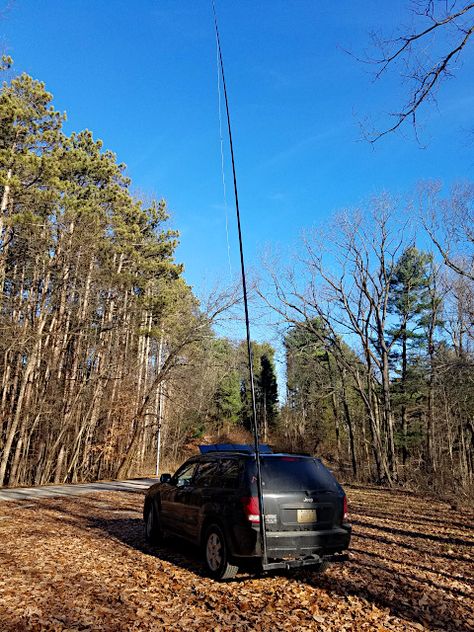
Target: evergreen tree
267 396
263 398
91 300
408 304
227 399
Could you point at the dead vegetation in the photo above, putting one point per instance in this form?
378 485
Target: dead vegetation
82 564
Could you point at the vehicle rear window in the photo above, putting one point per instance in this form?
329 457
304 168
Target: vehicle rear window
287 473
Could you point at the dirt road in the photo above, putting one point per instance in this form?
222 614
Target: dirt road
52 491
81 563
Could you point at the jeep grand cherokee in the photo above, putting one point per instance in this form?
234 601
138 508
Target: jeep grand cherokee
212 500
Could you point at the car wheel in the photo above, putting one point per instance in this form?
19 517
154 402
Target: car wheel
217 556
153 531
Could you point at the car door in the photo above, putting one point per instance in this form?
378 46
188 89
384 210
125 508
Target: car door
198 495
173 498
226 497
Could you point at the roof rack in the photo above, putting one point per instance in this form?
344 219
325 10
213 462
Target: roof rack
233 447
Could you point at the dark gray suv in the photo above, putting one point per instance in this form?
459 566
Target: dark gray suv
212 500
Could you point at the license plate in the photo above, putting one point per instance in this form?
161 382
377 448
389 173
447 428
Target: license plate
306 515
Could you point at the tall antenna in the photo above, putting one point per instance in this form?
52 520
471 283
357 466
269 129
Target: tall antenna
263 532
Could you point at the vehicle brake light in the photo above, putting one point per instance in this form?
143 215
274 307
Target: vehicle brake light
251 508
345 510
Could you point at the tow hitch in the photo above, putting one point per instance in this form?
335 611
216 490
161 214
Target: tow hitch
309 560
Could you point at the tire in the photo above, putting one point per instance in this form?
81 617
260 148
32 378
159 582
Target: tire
153 531
216 555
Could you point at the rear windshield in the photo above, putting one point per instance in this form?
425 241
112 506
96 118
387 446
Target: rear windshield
287 473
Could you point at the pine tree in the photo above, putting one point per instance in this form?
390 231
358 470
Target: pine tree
227 399
89 288
267 395
408 302
262 398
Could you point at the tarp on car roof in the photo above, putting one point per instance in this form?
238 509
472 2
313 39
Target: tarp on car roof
233 447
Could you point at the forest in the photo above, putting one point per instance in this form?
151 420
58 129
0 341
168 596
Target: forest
103 343
379 348
106 351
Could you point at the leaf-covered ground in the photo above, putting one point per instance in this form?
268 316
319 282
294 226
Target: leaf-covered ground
81 563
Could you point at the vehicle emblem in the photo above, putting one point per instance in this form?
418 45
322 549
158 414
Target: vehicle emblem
308 500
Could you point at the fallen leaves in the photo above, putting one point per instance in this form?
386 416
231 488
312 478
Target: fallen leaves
81 563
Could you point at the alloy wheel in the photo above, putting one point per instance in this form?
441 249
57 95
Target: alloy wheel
214 551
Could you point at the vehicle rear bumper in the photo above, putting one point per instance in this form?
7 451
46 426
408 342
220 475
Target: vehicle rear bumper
284 543
298 544
310 560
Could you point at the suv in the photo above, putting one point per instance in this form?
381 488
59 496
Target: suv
212 500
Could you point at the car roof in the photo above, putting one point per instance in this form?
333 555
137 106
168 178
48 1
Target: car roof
235 453
234 447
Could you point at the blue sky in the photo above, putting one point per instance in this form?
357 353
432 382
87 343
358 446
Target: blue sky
142 76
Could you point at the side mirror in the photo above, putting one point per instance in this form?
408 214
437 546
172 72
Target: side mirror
165 478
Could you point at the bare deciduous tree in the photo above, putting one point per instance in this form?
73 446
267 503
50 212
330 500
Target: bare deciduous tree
424 55
449 222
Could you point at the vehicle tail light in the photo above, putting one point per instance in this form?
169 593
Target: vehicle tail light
345 510
251 508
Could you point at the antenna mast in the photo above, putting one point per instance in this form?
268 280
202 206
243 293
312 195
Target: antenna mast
263 534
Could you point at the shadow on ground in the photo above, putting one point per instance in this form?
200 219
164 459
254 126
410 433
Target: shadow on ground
130 531
406 568
375 579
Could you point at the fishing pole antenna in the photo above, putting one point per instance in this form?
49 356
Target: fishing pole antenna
263 534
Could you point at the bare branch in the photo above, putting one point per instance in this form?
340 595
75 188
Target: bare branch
425 78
